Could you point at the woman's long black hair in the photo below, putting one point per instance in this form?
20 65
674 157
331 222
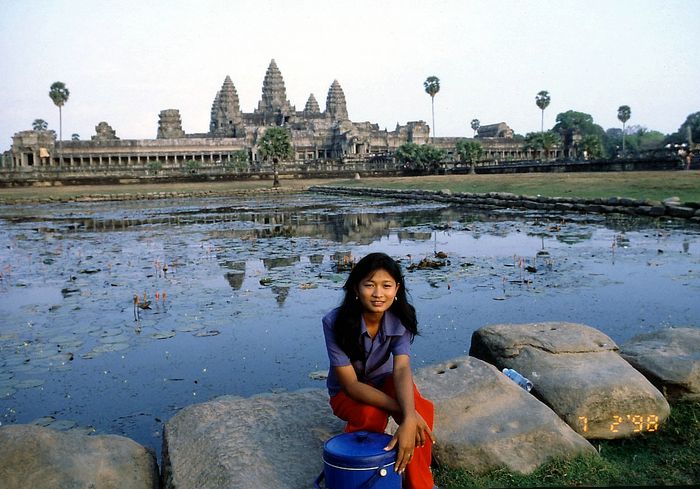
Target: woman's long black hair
347 327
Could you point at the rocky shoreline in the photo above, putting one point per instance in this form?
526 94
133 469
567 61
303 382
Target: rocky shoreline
668 208
129 196
586 388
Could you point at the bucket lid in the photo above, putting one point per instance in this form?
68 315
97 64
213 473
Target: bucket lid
361 449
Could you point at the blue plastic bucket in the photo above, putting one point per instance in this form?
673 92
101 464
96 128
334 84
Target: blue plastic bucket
358 461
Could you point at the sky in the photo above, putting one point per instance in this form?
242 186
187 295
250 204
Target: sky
125 61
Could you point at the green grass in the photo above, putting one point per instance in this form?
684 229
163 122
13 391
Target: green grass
670 456
637 185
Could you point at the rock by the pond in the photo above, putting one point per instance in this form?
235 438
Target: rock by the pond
34 456
484 421
263 441
670 359
577 371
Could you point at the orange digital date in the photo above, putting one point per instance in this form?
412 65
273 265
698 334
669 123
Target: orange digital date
649 422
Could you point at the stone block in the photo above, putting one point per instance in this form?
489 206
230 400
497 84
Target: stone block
34 456
680 211
484 421
657 210
577 371
273 441
670 359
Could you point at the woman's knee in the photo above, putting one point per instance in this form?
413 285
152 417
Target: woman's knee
368 418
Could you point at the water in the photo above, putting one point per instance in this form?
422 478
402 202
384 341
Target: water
242 285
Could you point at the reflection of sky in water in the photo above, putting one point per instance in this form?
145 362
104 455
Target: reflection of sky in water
70 347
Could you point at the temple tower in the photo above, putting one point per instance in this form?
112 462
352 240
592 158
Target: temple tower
335 103
312 106
170 124
274 106
226 112
104 132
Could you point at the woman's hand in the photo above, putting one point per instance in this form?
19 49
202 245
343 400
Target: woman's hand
405 440
423 433
413 432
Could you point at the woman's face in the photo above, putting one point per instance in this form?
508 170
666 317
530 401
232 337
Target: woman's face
376 292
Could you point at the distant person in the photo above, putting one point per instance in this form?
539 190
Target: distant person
368 338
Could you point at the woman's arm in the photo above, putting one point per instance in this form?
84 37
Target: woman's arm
364 393
413 430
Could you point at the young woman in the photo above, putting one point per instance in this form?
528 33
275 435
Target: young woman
368 339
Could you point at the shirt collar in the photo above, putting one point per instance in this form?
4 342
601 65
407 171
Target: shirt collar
390 326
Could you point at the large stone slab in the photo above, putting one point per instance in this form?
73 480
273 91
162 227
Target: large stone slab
485 421
34 456
270 441
670 359
577 371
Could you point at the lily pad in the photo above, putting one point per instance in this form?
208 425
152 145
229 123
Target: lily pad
83 430
28 383
121 338
66 341
7 392
44 421
212 332
188 328
107 332
319 375
110 347
160 335
63 425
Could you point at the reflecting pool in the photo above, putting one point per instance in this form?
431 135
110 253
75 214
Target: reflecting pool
115 315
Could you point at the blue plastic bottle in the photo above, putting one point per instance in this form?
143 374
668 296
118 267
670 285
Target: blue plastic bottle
516 377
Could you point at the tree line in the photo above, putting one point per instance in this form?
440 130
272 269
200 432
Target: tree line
571 129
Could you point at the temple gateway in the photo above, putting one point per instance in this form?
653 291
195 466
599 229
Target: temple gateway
325 142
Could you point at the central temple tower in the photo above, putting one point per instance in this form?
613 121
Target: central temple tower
274 108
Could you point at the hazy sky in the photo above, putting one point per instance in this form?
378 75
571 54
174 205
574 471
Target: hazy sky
125 61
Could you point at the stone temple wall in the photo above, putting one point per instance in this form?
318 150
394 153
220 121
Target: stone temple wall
320 139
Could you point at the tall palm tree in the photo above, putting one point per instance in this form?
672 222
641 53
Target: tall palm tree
432 87
276 145
623 114
542 100
476 124
39 125
59 94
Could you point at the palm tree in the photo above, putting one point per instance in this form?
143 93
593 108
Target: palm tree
39 125
432 87
276 145
475 125
469 152
75 137
542 100
59 94
623 114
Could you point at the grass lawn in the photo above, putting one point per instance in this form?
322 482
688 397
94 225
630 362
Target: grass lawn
670 456
637 185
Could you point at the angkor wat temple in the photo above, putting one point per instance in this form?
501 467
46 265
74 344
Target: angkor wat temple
325 142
